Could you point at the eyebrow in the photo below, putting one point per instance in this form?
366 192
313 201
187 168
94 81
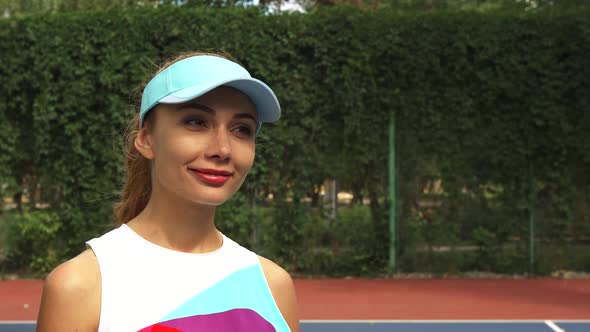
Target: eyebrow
209 110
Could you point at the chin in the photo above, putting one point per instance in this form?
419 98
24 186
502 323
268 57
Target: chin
209 202
213 197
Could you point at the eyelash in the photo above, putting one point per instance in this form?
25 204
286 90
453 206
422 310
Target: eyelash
201 122
248 130
244 129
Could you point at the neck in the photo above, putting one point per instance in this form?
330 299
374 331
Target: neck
172 222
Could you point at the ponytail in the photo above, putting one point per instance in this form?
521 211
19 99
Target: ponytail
138 186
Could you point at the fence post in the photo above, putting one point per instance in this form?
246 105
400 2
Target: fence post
531 221
392 200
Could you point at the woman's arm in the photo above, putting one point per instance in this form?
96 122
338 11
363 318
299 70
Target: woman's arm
283 291
71 296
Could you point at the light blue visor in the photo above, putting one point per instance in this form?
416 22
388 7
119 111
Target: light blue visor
193 77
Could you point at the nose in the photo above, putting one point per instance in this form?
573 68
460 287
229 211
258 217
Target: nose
219 145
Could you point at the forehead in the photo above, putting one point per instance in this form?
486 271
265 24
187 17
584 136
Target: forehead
221 101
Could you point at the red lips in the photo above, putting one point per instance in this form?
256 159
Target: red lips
213 176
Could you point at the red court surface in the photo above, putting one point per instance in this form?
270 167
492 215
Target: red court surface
393 299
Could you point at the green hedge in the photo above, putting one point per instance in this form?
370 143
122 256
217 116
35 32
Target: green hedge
495 106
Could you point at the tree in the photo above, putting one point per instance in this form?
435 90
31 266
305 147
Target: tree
20 7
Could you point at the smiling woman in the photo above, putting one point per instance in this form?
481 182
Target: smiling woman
205 147
166 266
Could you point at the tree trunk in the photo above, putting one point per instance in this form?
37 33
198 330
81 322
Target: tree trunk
357 194
32 187
374 206
315 195
18 199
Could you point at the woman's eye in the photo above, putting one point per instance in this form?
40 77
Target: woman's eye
195 122
244 131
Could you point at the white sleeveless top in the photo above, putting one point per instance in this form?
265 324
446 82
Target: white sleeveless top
146 287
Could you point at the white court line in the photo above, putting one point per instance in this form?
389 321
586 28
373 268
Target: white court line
553 326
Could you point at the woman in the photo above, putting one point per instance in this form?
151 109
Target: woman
166 267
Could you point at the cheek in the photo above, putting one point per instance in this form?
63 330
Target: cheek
172 153
180 148
244 158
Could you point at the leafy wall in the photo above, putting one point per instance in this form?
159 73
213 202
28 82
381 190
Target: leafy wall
492 121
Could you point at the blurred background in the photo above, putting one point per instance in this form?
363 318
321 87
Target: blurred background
418 138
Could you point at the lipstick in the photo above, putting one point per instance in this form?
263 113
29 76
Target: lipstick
212 176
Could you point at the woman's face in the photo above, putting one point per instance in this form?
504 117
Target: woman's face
202 150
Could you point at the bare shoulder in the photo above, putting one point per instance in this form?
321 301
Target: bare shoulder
283 291
71 296
274 272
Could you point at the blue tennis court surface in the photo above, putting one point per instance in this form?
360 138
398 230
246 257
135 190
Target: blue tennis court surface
403 326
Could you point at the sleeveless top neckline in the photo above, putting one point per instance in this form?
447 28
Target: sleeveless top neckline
135 236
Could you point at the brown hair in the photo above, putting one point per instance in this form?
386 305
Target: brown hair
137 189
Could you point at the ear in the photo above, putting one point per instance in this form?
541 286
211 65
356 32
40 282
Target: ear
143 143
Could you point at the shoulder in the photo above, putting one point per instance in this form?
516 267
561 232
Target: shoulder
71 296
283 291
78 276
275 273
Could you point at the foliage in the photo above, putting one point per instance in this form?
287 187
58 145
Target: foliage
25 7
238 218
491 106
32 240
